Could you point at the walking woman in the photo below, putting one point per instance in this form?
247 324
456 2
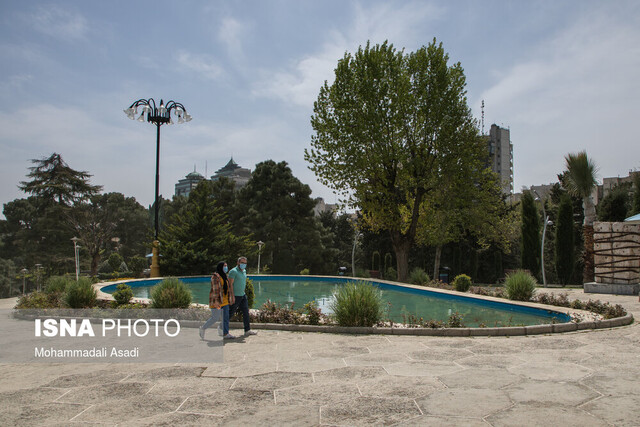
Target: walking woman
220 298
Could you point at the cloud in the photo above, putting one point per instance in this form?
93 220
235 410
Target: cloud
566 96
300 82
59 23
230 34
204 65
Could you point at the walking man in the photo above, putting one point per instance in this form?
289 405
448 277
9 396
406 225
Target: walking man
238 278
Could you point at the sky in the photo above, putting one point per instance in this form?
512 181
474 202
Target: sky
562 75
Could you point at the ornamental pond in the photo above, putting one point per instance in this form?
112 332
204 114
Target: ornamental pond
400 301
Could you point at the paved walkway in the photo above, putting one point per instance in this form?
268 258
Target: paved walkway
586 378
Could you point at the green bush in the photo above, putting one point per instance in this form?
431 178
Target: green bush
115 260
520 286
57 285
170 293
38 300
462 283
250 293
305 272
137 264
313 313
273 312
357 304
123 294
80 294
419 277
390 274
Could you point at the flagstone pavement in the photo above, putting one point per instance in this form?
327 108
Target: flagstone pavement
583 378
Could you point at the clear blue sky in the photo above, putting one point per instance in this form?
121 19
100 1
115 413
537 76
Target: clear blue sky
562 75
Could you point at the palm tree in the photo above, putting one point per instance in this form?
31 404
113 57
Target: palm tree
580 181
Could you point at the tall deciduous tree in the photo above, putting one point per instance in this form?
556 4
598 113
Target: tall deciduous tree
564 240
390 131
530 234
580 181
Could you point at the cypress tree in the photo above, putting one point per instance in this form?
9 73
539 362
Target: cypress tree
565 255
530 235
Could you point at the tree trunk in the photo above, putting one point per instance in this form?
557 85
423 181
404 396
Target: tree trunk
436 264
401 245
589 265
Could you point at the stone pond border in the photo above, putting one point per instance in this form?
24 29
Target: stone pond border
442 332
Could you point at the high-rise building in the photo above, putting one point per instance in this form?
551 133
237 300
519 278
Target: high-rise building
501 156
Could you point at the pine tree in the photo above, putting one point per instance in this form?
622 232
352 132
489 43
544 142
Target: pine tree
530 235
565 255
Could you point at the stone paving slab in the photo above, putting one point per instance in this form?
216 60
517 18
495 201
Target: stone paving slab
586 377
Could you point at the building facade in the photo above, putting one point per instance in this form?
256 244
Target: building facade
191 181
501 156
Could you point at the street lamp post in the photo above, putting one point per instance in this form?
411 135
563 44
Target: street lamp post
76 255
157 115
353 254
24 272
544 232
259 243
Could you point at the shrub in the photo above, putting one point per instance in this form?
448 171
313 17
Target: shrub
80 294
455 321
313 313
357 304
272 312
115 261
123 294
419 277
38 300
390 274
304 272
250 293
520 286
57 285
462 283
137 264
170 293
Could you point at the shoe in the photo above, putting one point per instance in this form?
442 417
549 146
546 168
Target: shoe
250 332
229 337
201 333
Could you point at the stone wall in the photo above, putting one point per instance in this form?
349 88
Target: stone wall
617 252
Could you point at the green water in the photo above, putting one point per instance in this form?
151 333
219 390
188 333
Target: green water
398 304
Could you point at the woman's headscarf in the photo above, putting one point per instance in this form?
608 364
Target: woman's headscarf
222 274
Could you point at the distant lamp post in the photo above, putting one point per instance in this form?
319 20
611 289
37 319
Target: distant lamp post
24 272
38 268
544 232
353 254
259 243
76 252
157 115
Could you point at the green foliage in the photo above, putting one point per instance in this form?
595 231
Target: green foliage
497 260
314 315
580 180
38 300
520 286
388 262
419 277
199 236
530 234
115 260
304 272
137 264
635 205
455 320
123 294
170 293
462 283
57 284
249 291
272 312
564 243
391 274
614 207
80 294
395 136
357 304
8 273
